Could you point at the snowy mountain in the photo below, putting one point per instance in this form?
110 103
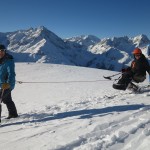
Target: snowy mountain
141 40
86 42
37 45
43 46
116 53
74 108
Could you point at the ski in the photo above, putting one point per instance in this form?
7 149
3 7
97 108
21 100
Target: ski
145 88
109 78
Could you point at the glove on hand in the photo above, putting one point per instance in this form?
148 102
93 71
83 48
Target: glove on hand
125 69
5 86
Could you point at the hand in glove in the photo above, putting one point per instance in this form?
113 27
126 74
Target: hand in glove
5 86
125 69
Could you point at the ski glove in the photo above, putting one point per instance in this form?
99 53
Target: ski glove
125 69
5 86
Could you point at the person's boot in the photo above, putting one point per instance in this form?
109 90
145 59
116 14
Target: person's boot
12 110
12 116
120 85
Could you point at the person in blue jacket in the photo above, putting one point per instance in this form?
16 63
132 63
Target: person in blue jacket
7 81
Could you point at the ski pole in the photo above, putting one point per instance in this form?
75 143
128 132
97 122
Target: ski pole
1 98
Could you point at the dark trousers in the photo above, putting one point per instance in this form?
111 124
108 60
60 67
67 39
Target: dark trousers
7 99
127 77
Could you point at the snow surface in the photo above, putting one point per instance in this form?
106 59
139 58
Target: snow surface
59 111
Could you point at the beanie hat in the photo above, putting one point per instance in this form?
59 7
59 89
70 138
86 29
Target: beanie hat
2 47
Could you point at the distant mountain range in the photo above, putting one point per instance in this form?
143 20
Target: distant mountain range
43 46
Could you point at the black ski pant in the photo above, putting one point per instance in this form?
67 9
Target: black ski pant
7 99
127 77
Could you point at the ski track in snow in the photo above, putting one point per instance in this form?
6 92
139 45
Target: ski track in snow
93 115
108 135
112 135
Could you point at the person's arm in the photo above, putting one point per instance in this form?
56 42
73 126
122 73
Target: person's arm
148 69
11 74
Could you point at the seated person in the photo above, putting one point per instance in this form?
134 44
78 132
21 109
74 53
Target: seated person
137 71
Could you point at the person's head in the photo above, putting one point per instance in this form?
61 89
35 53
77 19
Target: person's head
2 50
137 53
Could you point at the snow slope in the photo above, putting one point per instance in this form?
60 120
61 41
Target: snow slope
74 108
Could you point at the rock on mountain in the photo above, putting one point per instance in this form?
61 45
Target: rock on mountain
43 46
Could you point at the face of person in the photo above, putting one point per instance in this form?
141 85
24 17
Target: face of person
2 53
137 56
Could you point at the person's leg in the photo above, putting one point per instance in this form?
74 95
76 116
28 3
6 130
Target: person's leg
125 79
1 95
139 78
0 112
7 99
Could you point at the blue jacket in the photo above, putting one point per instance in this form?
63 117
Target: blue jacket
7 71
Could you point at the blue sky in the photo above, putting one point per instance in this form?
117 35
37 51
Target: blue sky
68 18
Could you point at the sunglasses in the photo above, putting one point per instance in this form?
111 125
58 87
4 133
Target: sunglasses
2 50
137 55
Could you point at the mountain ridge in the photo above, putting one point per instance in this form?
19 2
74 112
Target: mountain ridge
40 45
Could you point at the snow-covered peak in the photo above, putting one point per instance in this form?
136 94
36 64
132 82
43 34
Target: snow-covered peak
141 40
22 37
121 43
36 45
47 34
84 40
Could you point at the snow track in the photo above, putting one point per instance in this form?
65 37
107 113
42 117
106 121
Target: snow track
121 133
76 116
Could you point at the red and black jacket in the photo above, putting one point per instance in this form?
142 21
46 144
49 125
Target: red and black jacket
140 66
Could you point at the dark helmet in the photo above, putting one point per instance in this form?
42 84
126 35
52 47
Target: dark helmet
2 47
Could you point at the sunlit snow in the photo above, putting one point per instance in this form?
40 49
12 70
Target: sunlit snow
74 108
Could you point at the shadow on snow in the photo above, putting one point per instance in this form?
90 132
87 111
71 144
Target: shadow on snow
83 114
